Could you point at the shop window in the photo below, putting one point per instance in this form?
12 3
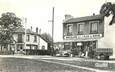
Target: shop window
69 29
93 27
28 38
35 38
80 28
67 45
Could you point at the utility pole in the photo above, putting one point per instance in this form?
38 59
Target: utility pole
52 50
53 27
25 21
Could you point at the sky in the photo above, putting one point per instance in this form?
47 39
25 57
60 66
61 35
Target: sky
39 12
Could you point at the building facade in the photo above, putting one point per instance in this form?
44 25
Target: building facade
82 34
26 44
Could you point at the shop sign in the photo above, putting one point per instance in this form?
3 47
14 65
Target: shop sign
91 36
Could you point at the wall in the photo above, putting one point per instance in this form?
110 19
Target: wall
31 41
86 28
42 42
108 41
27 42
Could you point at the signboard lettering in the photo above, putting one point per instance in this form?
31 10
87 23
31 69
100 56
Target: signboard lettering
91 36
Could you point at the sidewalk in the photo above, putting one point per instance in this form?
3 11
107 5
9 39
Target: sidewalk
25 56
80 59
57 58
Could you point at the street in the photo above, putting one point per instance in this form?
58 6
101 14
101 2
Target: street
21 63
27 65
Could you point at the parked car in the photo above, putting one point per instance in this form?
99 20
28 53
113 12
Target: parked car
103 53
58 55
63 53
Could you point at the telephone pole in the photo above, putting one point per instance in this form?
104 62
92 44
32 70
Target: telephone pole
25 22
53 29
52 50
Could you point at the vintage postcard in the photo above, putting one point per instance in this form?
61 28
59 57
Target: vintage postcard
57 35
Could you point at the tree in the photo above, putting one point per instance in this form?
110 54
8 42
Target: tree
107 9
8 23
47 37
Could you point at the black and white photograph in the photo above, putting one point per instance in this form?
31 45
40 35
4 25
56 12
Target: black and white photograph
57 35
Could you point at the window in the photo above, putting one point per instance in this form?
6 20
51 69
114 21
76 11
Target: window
93 27
69 29
28 38
35 38
20 38
43 47
80 28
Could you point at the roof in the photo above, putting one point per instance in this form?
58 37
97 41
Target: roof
28 31
86 18
43 38
22 30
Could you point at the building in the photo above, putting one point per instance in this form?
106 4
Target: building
82 34
32 42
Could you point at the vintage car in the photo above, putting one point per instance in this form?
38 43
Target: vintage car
103 53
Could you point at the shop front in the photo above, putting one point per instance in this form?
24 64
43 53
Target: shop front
83 33
82 45
82 49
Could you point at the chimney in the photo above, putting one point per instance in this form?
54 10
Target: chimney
40 31
67 16
31 28
36 29
93 14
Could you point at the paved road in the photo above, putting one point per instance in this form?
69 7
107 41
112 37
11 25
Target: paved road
29 65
